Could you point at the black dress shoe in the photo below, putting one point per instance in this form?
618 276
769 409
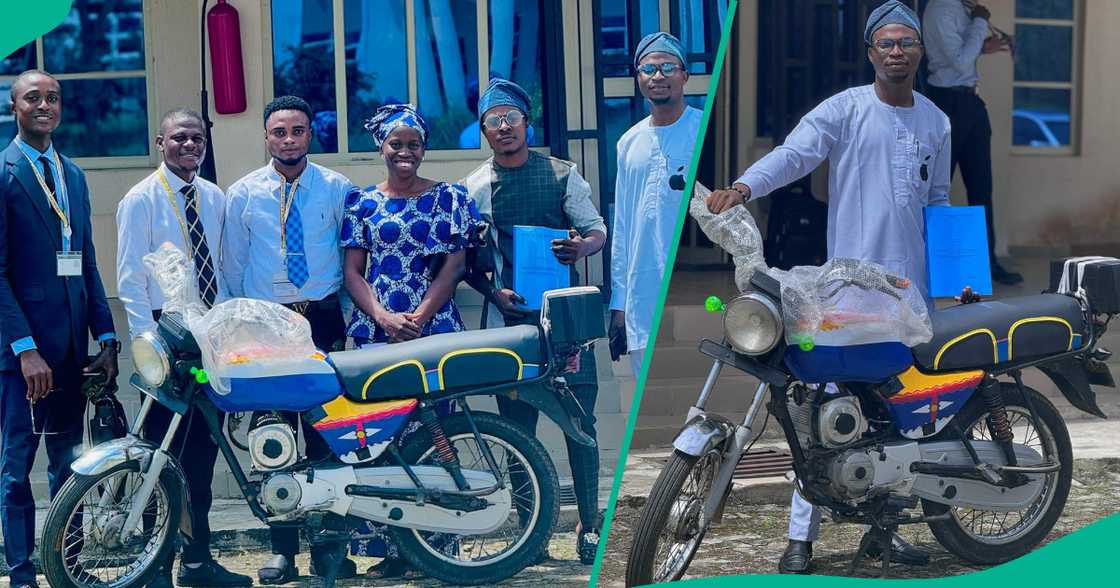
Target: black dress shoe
901 552
210 573
796 558
31 584
1003 276
162 579
279 570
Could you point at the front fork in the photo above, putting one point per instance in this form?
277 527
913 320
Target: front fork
149 475
732 451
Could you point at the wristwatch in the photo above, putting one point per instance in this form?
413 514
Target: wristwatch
741 192
114 343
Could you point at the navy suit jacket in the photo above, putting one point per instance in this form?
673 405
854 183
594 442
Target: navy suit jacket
59 313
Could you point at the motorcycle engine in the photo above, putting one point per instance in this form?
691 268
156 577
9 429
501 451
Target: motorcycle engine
826 420
852 473
281 493
272 443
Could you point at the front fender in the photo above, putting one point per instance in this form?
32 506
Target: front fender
131 448
702 434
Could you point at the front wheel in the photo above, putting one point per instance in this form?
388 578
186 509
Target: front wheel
991 537
525 468
669 529
82 543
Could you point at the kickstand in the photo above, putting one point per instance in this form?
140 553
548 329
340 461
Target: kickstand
876 534
329 560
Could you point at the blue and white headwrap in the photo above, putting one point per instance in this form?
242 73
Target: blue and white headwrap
391 117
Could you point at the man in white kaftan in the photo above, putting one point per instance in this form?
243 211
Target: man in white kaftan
888 149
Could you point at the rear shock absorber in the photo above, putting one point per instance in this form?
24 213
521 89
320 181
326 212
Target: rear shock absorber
998 423
445 454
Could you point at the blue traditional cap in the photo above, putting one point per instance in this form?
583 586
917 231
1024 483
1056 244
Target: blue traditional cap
391 117
659 42
891 12
502 92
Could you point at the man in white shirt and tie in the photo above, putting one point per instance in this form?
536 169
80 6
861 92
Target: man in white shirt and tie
957 33
282 244
174 205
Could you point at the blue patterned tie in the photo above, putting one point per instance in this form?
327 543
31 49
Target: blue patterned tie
295 259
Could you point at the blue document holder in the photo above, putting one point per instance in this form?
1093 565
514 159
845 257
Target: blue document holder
957 250
535 268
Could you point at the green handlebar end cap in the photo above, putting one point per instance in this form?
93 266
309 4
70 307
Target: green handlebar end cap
713 304
200 375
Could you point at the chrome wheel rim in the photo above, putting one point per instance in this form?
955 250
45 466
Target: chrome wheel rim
680 535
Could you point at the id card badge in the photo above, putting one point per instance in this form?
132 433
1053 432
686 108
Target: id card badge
69 263
282 287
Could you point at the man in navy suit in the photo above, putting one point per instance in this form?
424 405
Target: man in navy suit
51 301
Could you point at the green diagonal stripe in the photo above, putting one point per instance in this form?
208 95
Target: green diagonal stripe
24 21
620 468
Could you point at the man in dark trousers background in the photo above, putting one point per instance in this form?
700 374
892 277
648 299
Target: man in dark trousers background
51 301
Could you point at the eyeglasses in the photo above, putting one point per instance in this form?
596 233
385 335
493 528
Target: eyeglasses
513 118
885 46
667 69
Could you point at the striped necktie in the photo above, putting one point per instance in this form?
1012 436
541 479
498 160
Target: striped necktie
295 259
207 281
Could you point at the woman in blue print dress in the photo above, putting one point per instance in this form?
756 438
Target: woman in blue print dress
406 240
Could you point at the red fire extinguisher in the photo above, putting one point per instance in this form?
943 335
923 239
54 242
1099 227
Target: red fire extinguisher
225 58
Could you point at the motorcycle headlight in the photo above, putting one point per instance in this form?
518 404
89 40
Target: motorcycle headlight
151 359
752 324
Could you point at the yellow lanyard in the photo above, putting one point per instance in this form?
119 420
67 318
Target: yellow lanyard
66 232
175 208
286 200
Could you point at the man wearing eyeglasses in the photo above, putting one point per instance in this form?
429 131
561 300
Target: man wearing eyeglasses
957 34
518 186
653 160
888 150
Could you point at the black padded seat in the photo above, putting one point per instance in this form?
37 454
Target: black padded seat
985 334
439 363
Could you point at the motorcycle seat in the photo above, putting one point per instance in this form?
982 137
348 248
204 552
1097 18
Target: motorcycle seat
986 334
440 363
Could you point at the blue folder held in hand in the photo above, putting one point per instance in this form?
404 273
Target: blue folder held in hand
957 250
535 268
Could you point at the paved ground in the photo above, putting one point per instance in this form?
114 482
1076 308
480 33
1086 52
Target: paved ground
752 535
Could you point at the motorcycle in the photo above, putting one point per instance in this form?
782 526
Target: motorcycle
943 432
468 498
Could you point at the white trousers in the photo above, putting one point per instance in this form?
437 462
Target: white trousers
804 517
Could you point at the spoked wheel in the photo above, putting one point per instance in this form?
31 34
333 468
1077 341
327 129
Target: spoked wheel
82 540
527 471
991 537
669 529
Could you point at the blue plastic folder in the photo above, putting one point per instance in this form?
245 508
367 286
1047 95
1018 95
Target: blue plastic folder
957 250
535 268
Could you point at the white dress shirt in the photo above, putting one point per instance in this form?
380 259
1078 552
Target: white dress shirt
145 221
877 191
954 41
251 260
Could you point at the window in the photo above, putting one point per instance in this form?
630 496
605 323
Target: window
348 57
98 55
1046 76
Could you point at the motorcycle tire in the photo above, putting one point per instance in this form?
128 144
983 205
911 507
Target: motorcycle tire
67 501
533 541
951 533
655 517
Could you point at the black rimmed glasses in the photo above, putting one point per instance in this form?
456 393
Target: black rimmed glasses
907 44
667 69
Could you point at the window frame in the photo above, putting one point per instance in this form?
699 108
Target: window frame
114 162
1077 27
344 156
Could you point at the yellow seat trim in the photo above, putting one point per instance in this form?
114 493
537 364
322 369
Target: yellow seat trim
456 353
380 372
954 341
1037 319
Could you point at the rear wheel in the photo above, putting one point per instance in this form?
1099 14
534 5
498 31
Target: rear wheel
525 468
992 537
82 543
669 529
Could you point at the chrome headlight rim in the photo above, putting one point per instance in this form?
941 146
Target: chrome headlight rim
161 353
770 306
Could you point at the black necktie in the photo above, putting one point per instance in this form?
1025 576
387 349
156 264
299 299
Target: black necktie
48 177
206 279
